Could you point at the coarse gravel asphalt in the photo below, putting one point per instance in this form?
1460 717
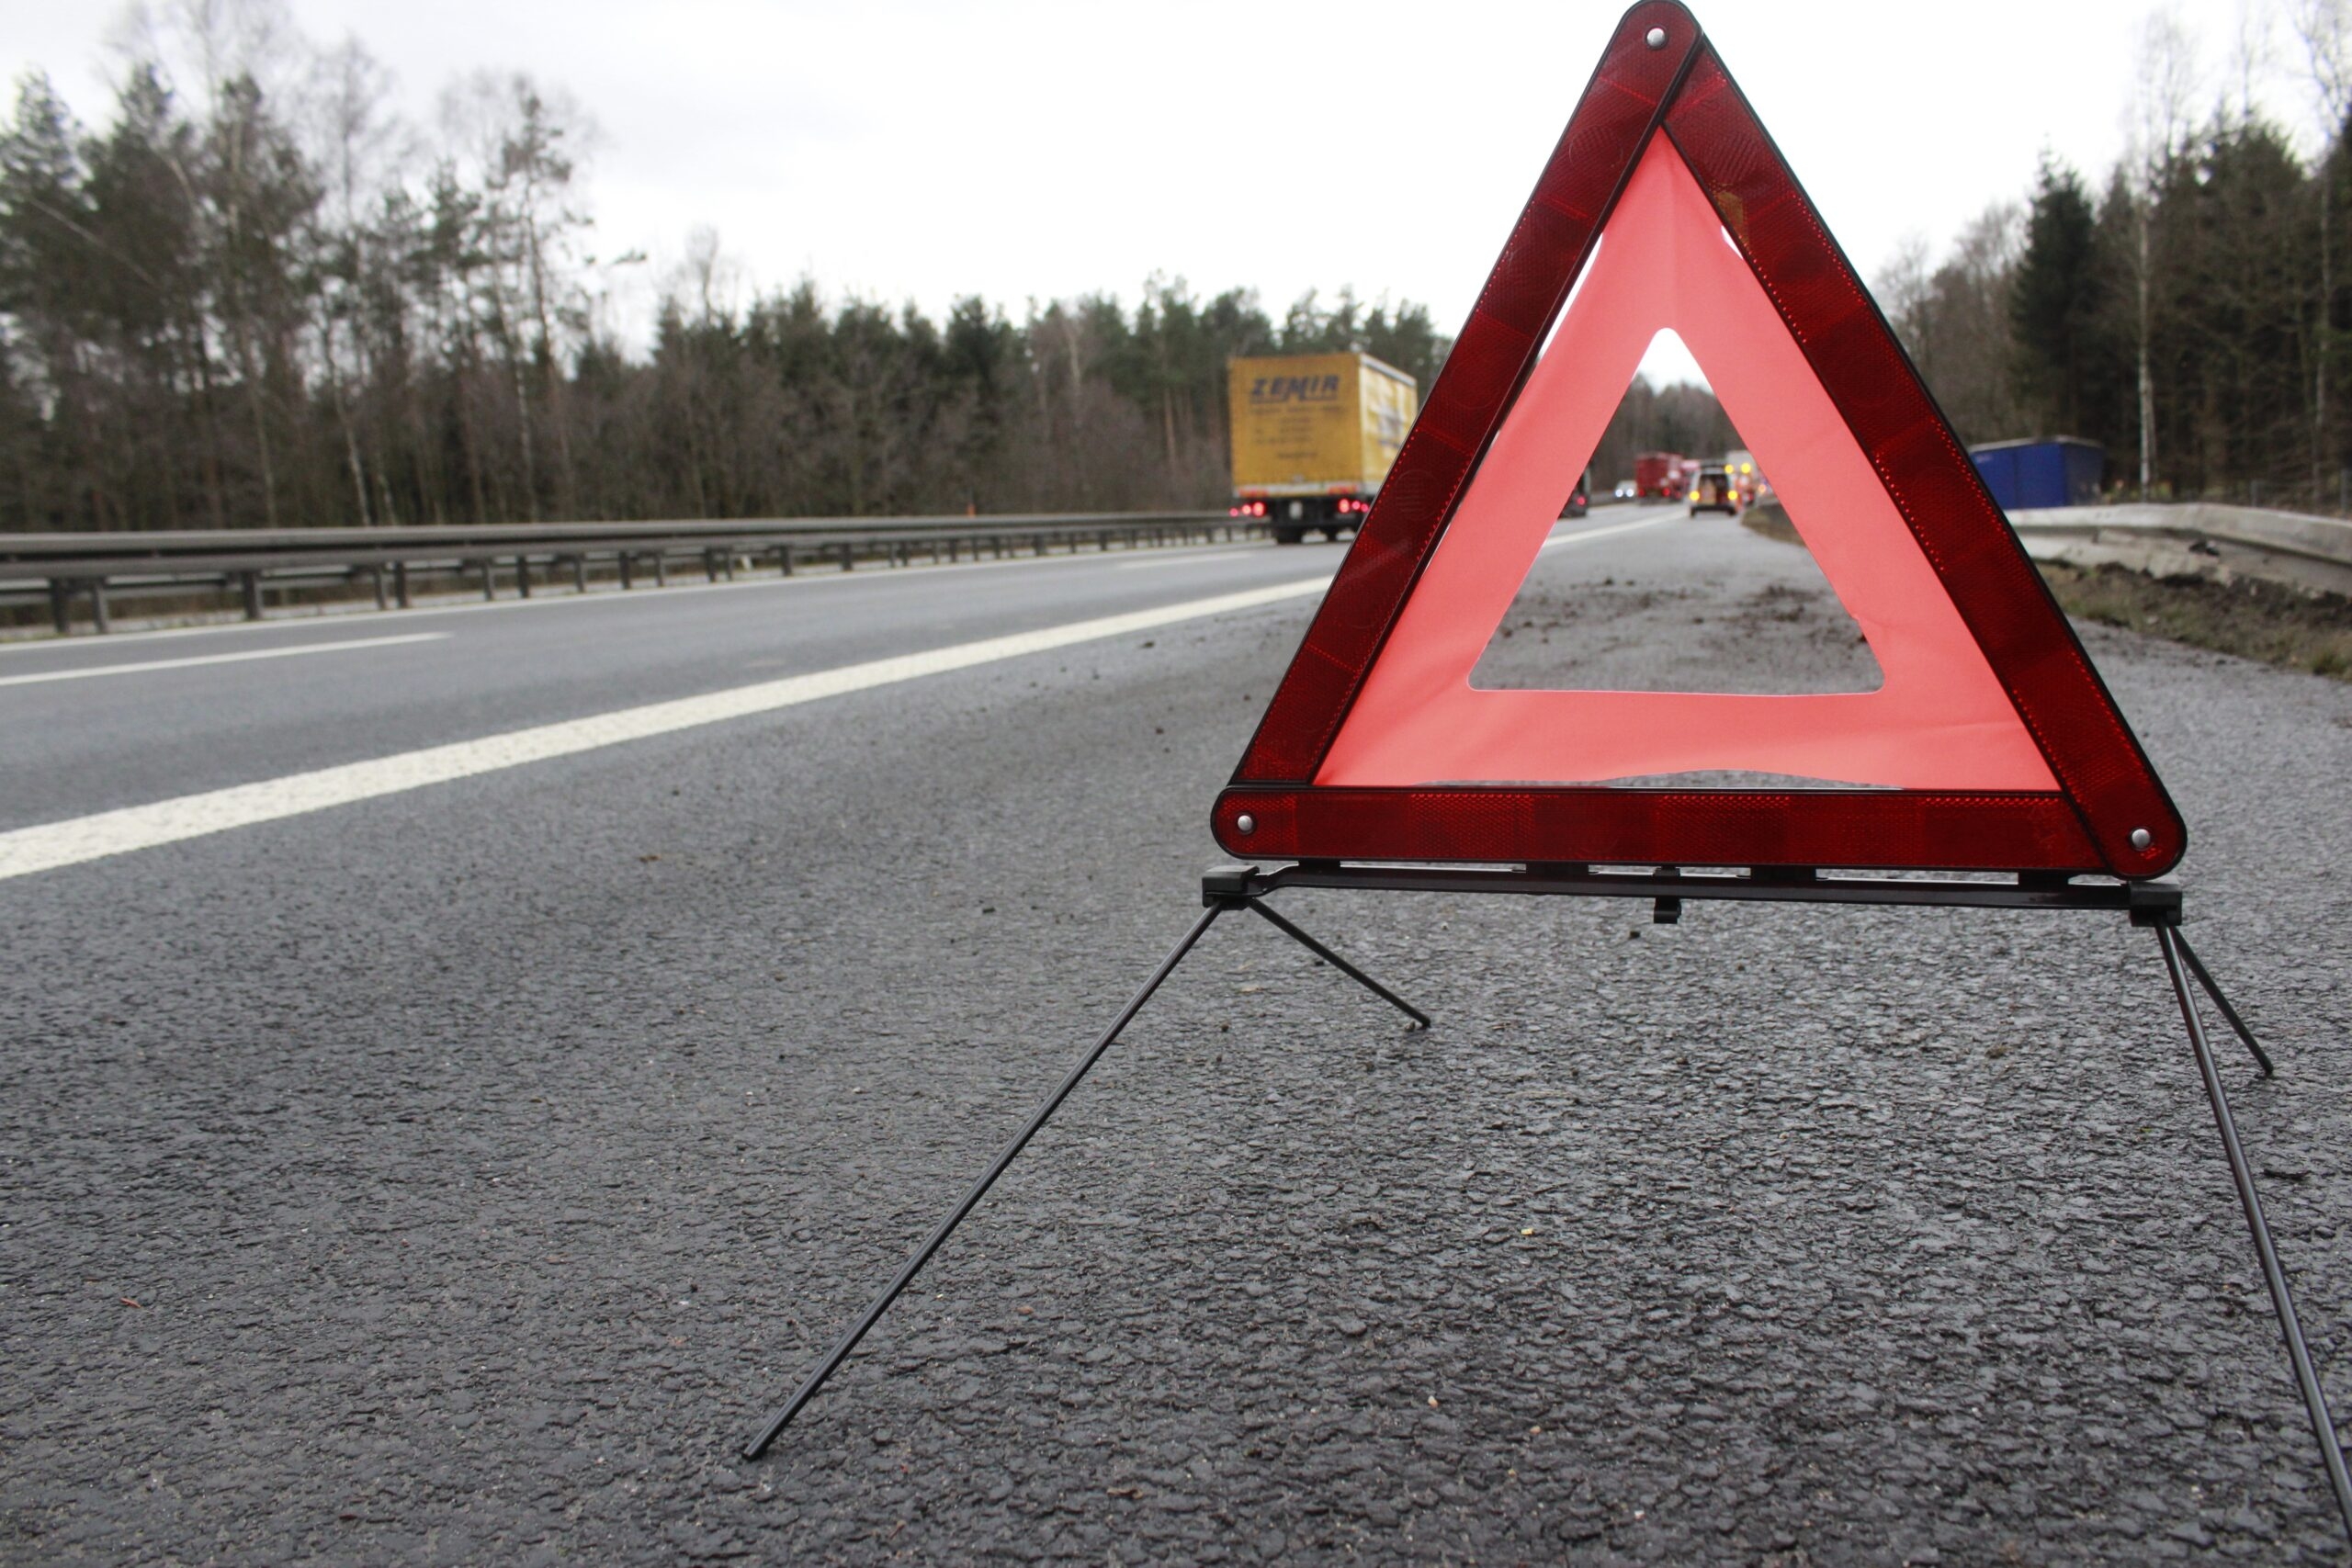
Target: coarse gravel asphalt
463 1175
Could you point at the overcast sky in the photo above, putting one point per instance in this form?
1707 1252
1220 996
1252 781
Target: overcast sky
1030 149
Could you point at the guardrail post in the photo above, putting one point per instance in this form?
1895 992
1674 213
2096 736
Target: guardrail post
98 617
579 571
621 558
249 586
61 607
849 562
376 576
400 583
784 558
710 566
523 576
489 578
660 569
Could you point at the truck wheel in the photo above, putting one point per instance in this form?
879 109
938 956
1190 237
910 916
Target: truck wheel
1331 532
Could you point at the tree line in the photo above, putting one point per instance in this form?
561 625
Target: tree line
256 297
2190 310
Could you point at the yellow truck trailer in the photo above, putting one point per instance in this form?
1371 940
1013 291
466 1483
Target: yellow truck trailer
1312 437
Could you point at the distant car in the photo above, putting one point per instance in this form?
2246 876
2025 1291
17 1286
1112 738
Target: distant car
1714 490
1627 490
1579 499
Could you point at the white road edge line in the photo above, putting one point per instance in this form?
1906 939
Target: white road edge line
51 844
1179 561
85 673
1591 534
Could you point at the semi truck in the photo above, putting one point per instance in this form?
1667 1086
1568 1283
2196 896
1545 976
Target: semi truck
1312 437
1658 476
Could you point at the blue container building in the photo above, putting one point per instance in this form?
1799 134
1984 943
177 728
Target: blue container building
2058 471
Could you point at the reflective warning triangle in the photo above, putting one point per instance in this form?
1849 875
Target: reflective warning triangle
1992 743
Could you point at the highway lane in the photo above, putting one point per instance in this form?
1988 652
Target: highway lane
98 727
115 740
483 1160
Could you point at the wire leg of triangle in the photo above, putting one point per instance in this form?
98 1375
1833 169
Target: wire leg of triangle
2306 1378
1420 1019
2205 978
913 1266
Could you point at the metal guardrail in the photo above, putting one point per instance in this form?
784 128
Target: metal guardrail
2178 539
65 569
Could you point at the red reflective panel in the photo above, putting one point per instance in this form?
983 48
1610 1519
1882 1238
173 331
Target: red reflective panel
1902 829
2106 794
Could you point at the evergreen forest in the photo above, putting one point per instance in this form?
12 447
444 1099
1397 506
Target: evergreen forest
250 294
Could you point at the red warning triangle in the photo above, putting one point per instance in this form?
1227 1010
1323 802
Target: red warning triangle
1991 744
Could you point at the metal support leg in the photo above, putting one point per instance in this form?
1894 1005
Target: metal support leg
840 1352
2306 1379
1420 1019
99 619
2261 1057
249 584
400 584
61 607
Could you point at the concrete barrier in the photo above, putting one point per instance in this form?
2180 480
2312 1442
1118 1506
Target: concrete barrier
2196 539
2187 540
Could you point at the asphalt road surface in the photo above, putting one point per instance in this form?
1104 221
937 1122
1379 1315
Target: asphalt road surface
424 1144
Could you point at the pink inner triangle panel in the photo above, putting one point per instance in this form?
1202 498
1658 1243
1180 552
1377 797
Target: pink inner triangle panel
1939 721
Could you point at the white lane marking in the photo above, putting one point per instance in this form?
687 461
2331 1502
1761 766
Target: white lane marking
51 844
85 673
1181 561
1588 535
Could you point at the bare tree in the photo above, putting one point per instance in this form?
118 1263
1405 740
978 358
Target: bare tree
356 145
2325 30
2157 129
520 146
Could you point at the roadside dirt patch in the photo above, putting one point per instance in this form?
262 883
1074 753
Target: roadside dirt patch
2248 618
